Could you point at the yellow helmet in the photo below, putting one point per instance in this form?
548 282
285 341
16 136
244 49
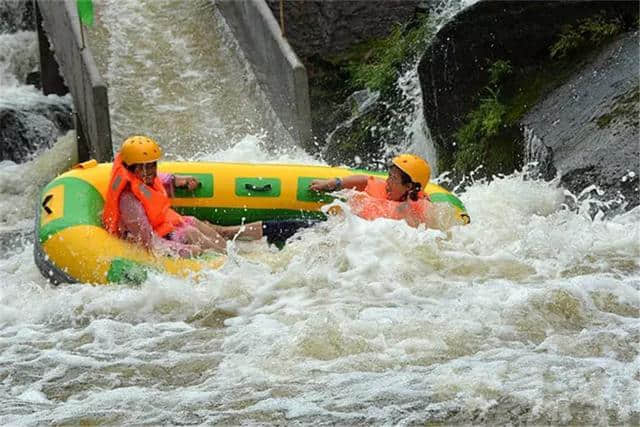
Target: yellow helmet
416 167
140 149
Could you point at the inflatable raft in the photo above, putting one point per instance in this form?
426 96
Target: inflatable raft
71 245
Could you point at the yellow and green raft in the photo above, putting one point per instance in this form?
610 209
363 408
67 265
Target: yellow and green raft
71 245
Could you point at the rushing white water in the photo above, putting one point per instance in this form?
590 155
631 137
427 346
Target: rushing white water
175 73
17 57
417 136
529 314
20 184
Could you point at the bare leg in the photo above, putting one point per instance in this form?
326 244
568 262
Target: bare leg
206 241
251 231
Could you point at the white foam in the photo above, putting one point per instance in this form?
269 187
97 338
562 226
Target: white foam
529 314
18 57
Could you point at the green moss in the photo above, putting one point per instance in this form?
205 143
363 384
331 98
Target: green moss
384 57
585 34
490 133
485 126
626 107
373 64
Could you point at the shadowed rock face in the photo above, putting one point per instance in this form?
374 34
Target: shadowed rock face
329 27
454 67
588 129
576 126
23 133
327 35
16 15
26 129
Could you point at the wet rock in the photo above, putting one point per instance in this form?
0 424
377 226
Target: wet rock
329 27
589 127
540 154
24 133
327 36
60 114
581 124
33 78
16 15
355 142
371 125
454 68
12 241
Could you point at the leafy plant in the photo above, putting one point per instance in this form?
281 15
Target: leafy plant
594 30
484 122
386 56
499 71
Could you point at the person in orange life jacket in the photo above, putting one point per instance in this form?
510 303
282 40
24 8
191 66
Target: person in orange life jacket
401 196
138 208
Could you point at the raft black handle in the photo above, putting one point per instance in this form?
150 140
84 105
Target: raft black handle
44 204
252 187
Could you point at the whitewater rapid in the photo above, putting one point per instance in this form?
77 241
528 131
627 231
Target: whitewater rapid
531 313
176 73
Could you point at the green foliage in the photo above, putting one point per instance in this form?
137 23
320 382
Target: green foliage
491 114
386 56
490 134
499 71
483 123
599 29
626 108
570 40
593 30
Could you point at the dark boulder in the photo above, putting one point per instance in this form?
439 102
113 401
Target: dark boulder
23 133
454 69
357 141
329 37
33 79
328 27
588 129
16 15
13 241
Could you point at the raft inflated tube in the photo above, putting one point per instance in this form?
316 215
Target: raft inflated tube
71 245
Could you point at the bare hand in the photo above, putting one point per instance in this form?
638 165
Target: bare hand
319 185
191 183
188 182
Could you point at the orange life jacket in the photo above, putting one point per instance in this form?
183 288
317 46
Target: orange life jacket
154 200
373 203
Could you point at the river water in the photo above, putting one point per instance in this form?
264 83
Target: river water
529 314
175 73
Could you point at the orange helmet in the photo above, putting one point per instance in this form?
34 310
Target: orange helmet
140 149
416 167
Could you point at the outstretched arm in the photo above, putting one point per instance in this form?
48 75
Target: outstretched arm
358 182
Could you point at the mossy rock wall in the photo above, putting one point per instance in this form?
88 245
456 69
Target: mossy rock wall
588 129
332 38
326 28
455 68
